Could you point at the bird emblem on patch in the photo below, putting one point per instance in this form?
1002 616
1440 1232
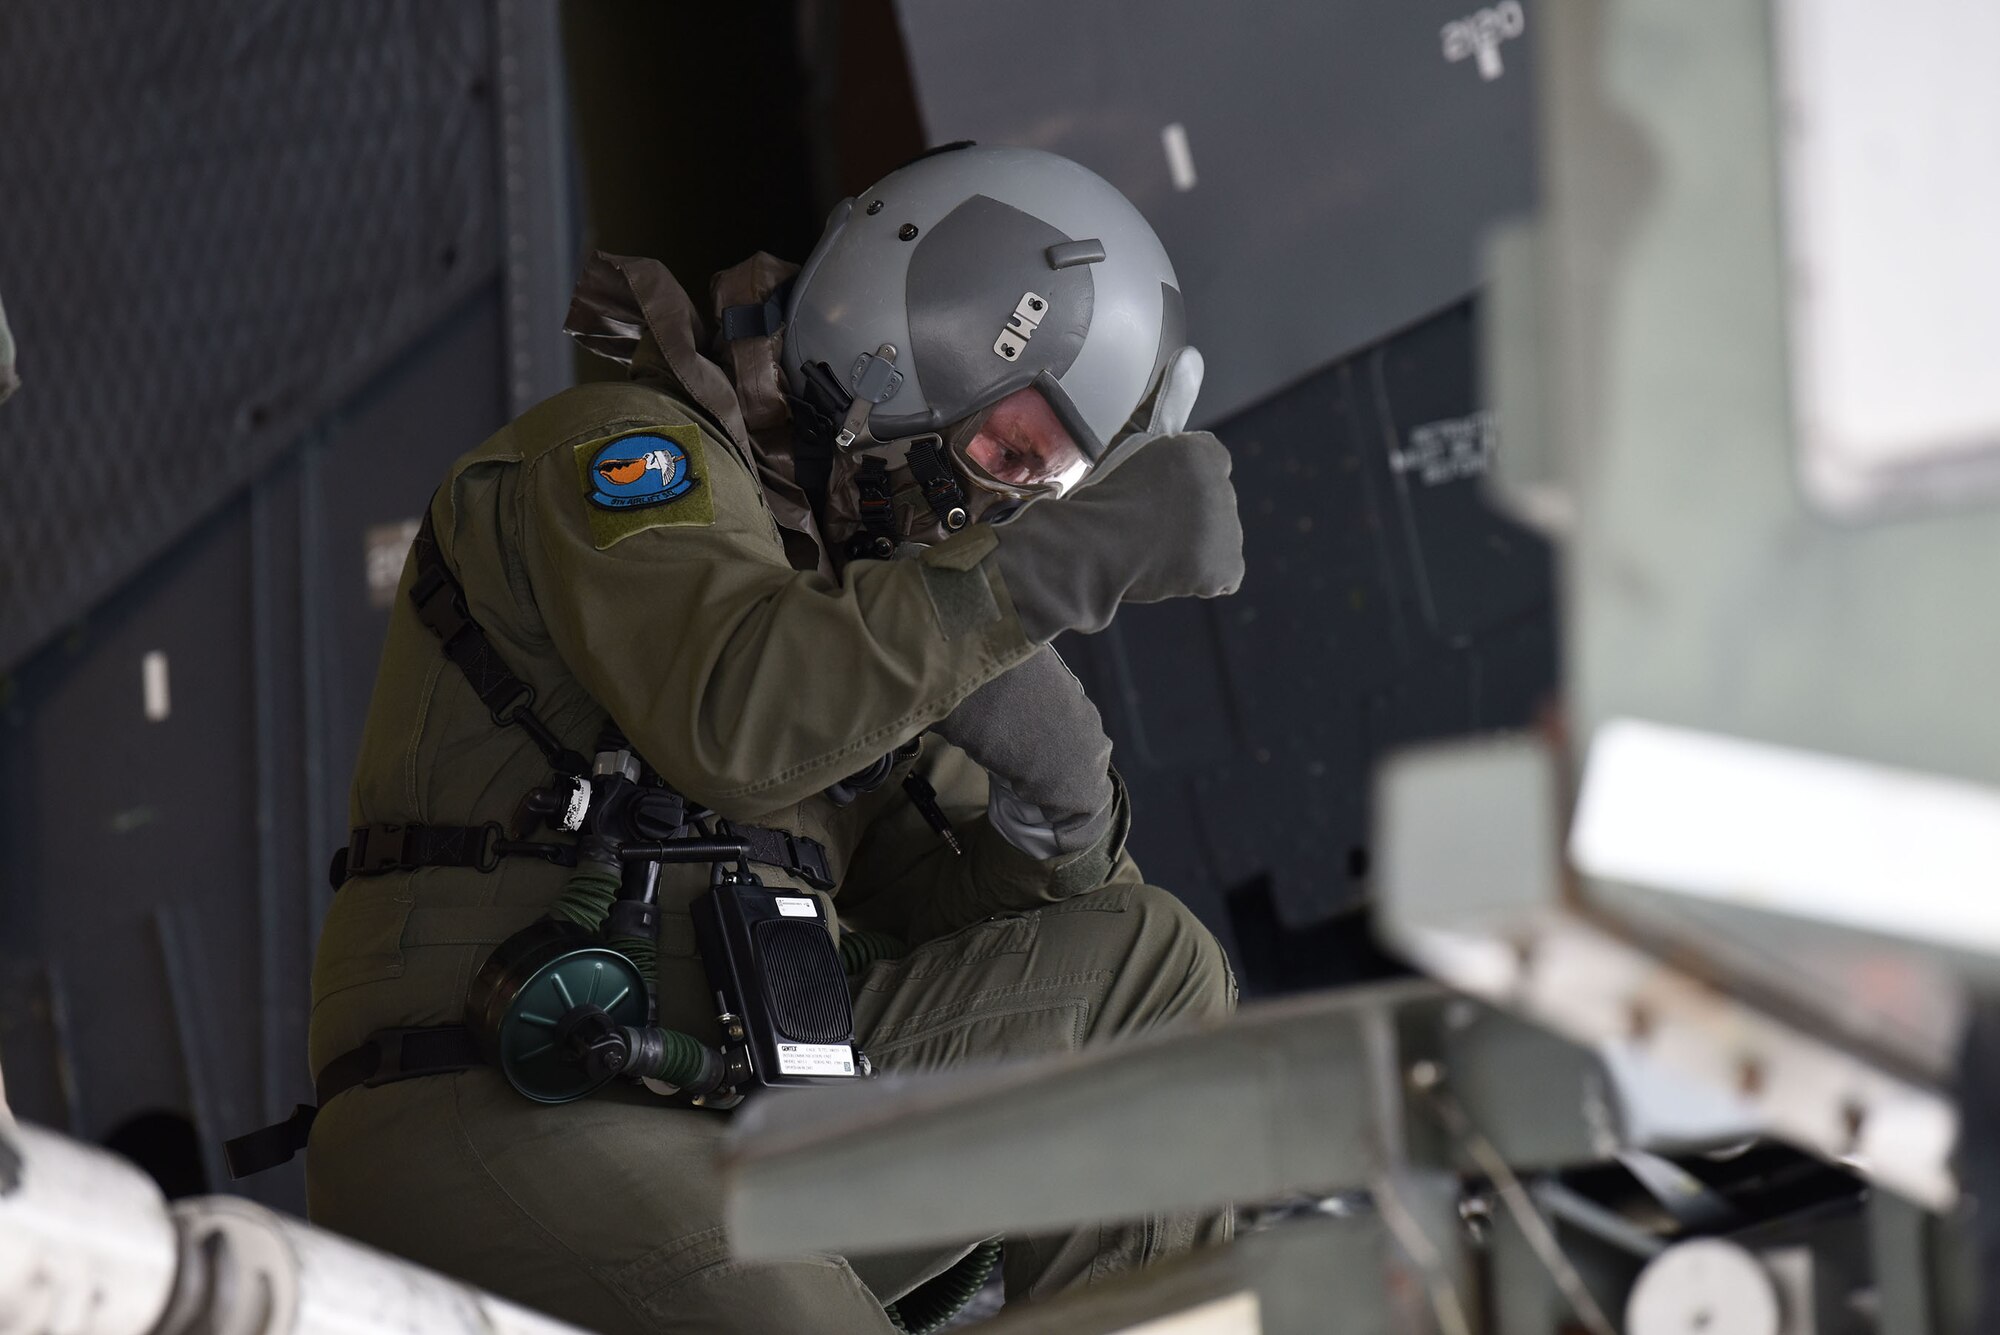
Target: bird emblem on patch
636 471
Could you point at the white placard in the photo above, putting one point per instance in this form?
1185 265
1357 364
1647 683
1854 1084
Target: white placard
1180 158
797 908
155 694
815 1059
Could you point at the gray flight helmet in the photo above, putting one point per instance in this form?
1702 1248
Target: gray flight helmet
987 270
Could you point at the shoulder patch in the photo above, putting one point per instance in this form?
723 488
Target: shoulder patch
650 477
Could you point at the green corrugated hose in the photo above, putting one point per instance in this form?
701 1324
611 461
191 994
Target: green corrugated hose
858 950
933 1303
586 898
685 1061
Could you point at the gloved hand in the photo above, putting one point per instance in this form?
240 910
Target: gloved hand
1161 525
1042 743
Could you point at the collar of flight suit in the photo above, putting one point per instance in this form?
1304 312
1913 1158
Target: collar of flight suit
752 360
633 312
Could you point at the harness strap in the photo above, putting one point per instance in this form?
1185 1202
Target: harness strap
941 489
440 604
377 850
374 850
876 497
399 1054
795 854
388 1055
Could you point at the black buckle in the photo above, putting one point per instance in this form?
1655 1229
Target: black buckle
376 850
808 859
449 618
387 1044
373 850
515 707
489 846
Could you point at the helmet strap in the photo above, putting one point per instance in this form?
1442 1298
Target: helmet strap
933 472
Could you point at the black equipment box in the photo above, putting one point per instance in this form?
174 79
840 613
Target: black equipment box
770 957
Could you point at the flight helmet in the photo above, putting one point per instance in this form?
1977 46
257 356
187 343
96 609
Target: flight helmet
975 272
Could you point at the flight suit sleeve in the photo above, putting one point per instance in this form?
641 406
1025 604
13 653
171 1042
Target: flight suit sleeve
905 880
748 684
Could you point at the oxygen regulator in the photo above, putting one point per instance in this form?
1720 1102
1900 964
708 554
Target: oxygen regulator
566 1004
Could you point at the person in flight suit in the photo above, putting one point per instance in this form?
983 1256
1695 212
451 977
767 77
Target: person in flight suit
953 434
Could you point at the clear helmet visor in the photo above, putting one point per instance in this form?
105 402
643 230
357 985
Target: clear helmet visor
1019 448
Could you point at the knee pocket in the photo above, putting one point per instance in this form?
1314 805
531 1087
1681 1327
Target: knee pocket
1167 930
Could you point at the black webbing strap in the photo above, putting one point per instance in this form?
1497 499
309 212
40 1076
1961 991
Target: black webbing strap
388 1055
816 412
269 1146
757 321
399 1054
876 497
940 486
377 850
440 605
793 853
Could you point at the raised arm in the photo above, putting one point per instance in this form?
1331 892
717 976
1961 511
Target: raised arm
750 684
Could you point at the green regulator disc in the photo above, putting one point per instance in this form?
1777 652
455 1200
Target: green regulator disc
531 981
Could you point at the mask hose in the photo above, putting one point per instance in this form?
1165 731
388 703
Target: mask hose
932 1304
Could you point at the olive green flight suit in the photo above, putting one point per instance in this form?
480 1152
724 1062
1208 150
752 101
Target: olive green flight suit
752 686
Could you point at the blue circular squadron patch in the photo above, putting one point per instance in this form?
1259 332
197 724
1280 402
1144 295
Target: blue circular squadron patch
636 471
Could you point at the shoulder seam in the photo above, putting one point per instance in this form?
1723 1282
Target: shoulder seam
664 410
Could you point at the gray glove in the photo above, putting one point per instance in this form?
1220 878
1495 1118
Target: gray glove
1042 744
1161 525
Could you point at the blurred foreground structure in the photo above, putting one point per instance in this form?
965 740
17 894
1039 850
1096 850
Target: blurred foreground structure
88 1246
1737 898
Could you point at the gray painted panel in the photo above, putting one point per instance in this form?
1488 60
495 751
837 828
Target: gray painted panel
114 816
217 228
173 873
1344 167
